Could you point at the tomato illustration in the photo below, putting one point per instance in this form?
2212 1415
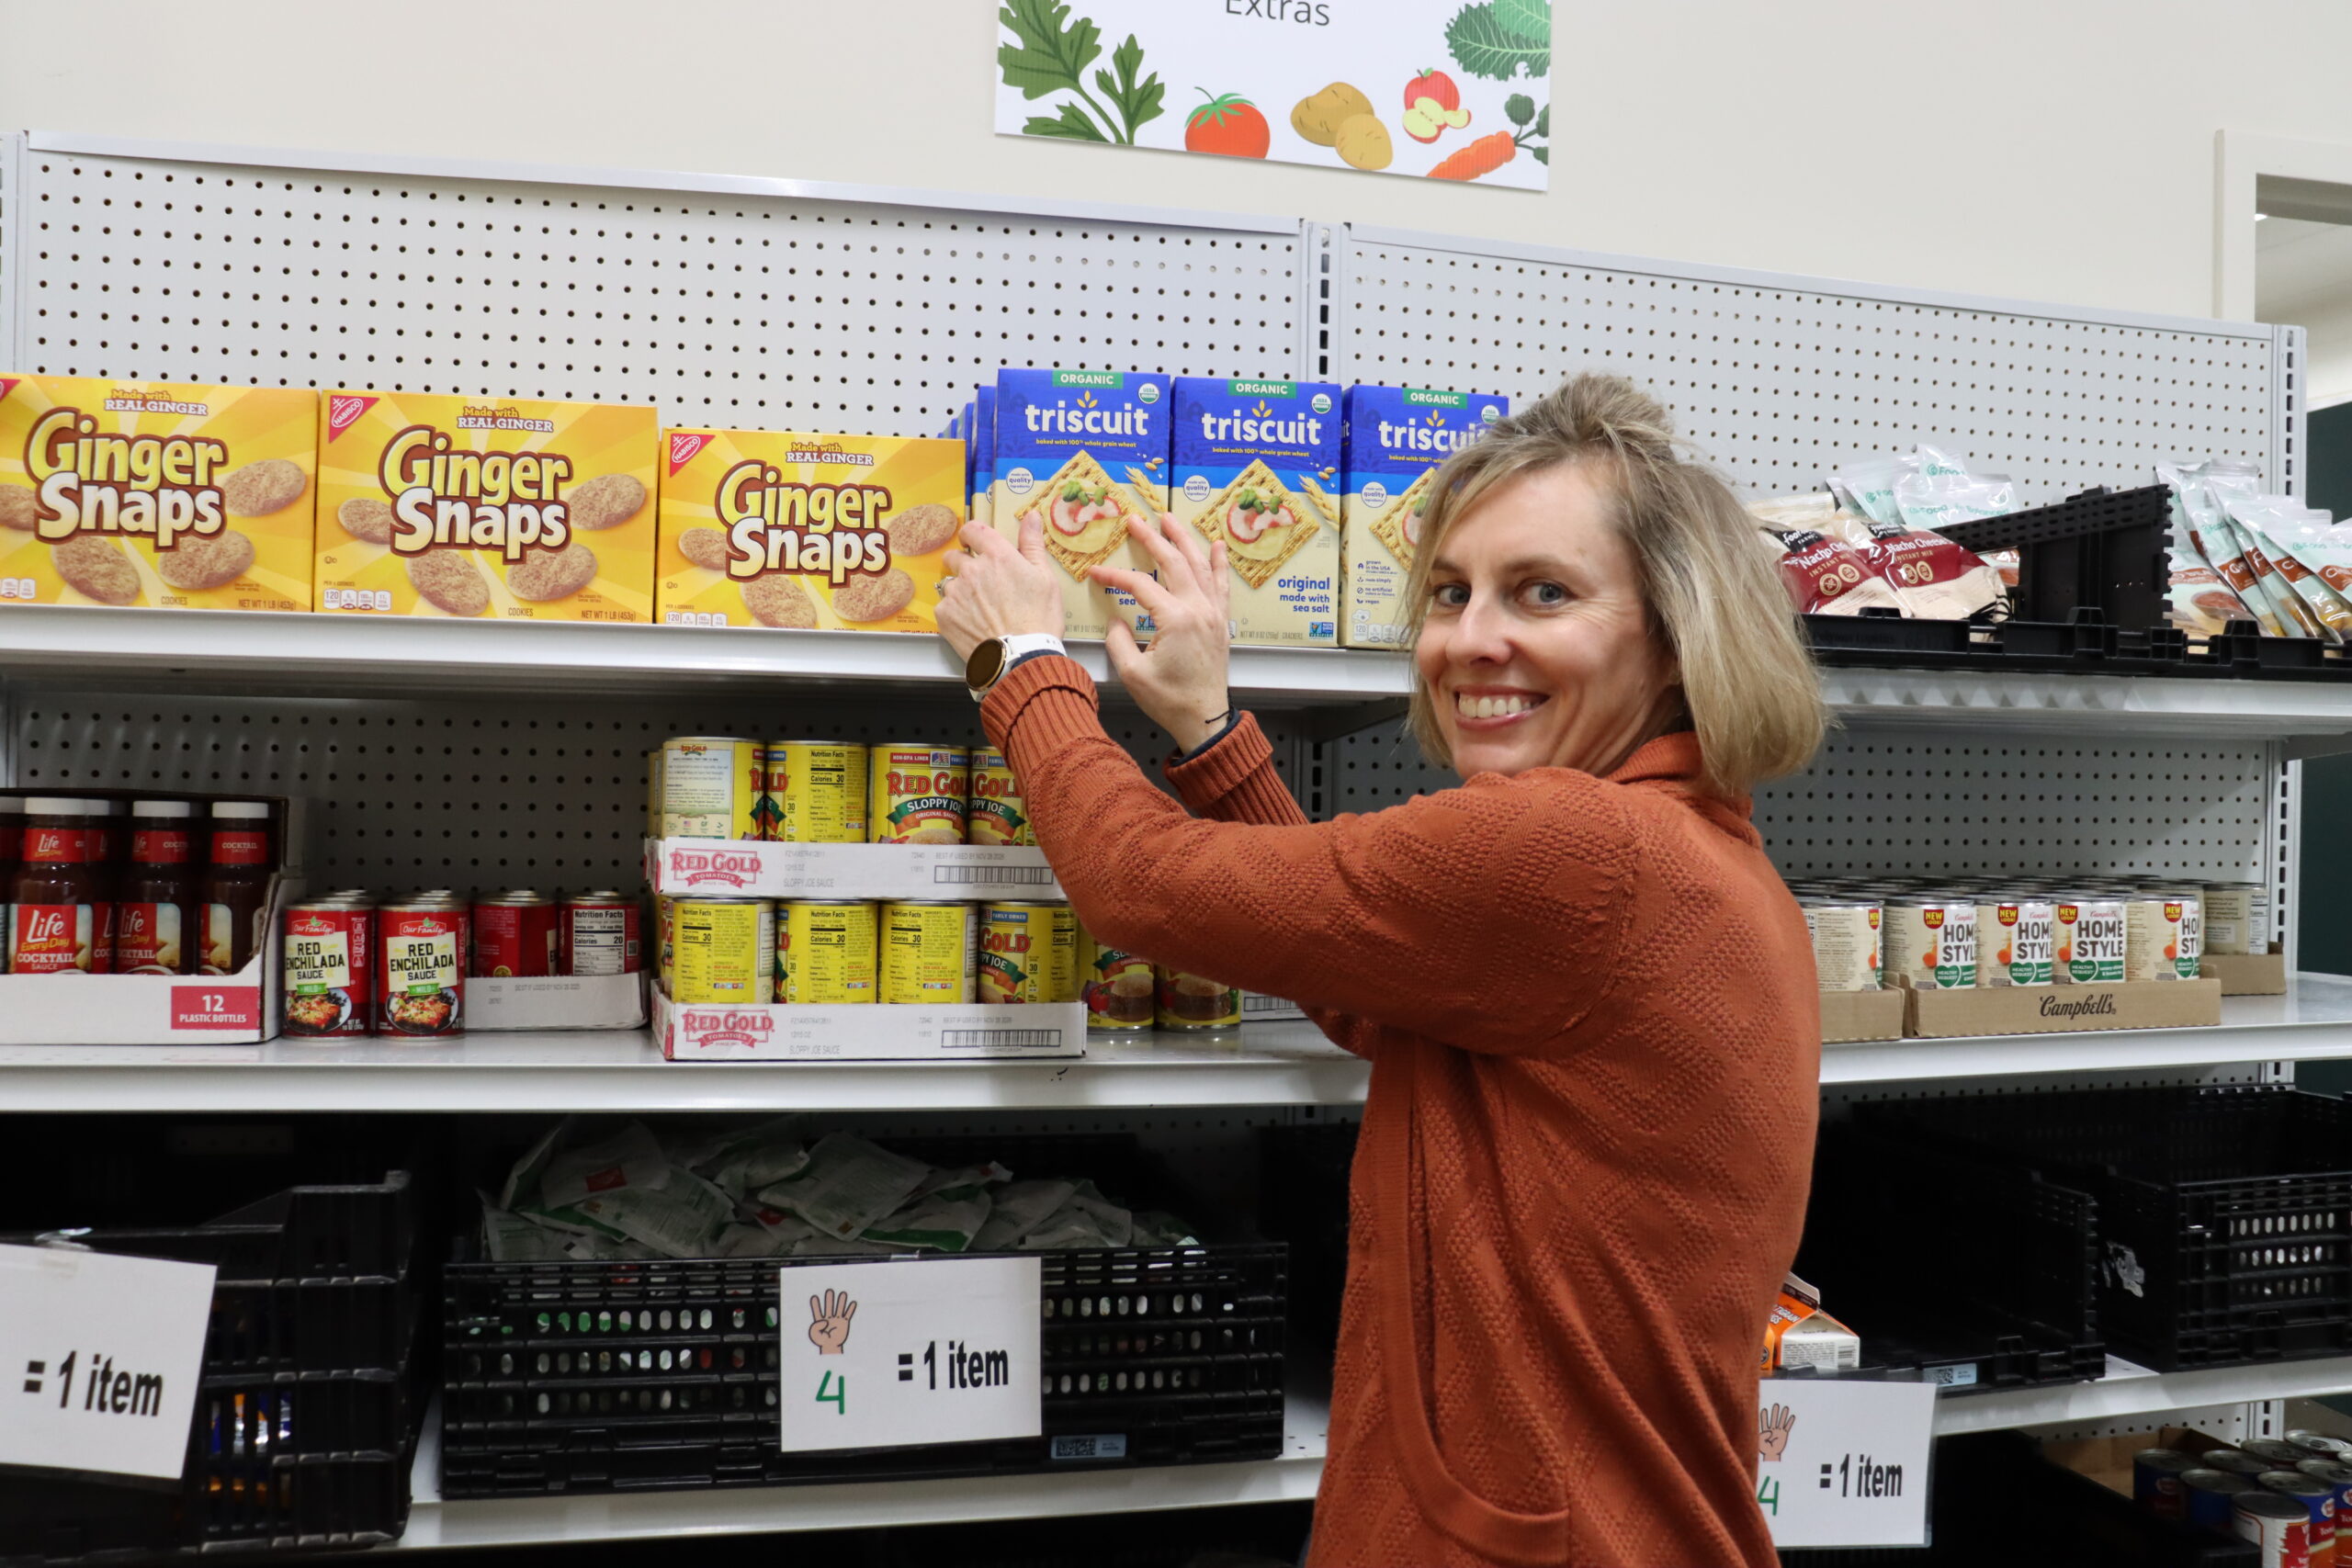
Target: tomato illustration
1228 124
1433 84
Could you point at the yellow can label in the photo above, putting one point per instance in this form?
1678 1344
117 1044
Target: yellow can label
710 787
1028 952
665 940
1195 1001
927 952
725 950
995 813
1117 988
814 793
825 954
918 794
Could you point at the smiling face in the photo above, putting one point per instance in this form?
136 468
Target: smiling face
1538 649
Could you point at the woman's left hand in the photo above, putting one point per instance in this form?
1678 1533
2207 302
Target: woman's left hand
1000 590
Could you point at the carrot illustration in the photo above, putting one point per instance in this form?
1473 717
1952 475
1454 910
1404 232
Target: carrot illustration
1472 159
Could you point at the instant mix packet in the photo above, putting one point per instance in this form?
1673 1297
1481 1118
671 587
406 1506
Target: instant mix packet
1086 451
1397 437
508 508
807 532
156 494
1256 467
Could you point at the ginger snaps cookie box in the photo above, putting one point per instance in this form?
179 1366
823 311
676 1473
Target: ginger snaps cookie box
807 532
1255 466
1396 438
1087 452
497 508
158 494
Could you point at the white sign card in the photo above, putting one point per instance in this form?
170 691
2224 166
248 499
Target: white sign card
1432 89
99 1360
1844 1463
905 1351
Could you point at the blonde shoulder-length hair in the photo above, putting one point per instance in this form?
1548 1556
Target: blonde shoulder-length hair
1748 684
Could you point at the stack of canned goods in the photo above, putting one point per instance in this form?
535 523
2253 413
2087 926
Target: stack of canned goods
833 792
1967 932
356 964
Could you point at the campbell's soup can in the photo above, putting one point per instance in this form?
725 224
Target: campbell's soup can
1195 1001
2156 1481
815 791
330 978
2210 1497
725 950
1845 935
1118 989
2237 917
827 955
600 933
918 794
420 977
995 813
930 951
2318 1499
1931 942
2188 917
2317 1445
2150 937
710 787
1028 952
2091 934
2237 1461
2016 940
2280 1527
2335 1473
514 935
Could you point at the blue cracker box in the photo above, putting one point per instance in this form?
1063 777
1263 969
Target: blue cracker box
1255 465
1398 437
983 448
1087 451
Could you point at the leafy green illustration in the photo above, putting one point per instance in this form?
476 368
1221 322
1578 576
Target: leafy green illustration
1531 20
1543 154
1052 55
1543 121
1520 107
1484 44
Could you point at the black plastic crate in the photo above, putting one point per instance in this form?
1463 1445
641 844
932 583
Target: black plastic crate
596 1377
1303 1176
2222 1211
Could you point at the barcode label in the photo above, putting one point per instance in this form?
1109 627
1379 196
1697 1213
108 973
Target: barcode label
983 1039
1251 1001
1011 875
1962 1376
1111 1446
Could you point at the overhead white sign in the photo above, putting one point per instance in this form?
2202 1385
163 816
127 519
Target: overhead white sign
1843 1463
1434 89
99 1360
898 1352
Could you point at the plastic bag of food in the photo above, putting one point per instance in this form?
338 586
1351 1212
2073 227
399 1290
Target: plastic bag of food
1157 1227
1825 576
1866 486
2201 538
629 1157
752 1157
509 1237
1086 1219
1018 1208
847 1184
2252 516
1928 500
2283 532
682 1218
945 1212
1935 579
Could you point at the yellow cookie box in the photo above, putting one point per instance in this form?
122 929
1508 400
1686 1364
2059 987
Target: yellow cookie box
155 494
495 508
807 532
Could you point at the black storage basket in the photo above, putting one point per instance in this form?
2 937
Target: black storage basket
2222 1210
592 1377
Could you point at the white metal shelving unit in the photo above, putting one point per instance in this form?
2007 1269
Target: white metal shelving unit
786 304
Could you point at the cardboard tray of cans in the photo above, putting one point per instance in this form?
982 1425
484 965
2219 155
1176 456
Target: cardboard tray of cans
495 1003
746 868
872 1032
2246 974
2061 1010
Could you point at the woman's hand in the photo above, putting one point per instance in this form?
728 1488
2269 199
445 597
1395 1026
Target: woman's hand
1179 680
999 590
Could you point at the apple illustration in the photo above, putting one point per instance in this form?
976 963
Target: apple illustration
1433 106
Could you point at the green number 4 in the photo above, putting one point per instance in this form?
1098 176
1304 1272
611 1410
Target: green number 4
835 1393
1768 1496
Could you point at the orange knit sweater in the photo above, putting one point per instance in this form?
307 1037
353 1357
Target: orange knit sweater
1590 1011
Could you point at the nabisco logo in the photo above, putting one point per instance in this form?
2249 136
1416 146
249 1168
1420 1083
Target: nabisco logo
344 411
683 445
706 1027
700 868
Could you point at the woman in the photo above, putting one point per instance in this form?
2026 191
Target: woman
1588 1000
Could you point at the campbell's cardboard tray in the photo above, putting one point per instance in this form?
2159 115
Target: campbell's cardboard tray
2063 1009
752 868
2246 974
946 1032
1259 1007
554 1001
1861 1015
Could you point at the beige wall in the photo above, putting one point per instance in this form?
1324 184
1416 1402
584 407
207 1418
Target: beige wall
2058 150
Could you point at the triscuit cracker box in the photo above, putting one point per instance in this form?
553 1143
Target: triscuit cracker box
837 532
981 459
160 494
1396 438
1256 464
499 507
1087 451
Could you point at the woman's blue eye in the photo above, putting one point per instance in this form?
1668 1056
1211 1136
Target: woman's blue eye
1454 595
1548 593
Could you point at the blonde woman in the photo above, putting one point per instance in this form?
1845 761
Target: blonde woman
1588 1000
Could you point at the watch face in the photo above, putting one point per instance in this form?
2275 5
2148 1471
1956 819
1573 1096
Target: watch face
986 664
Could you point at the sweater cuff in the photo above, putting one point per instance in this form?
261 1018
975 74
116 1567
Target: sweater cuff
1048 700
1209 775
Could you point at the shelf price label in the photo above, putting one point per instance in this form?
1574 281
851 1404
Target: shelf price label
899 1351
99 1357
1844 1463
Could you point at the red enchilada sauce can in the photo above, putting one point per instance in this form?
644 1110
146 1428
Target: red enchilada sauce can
330 980
420 975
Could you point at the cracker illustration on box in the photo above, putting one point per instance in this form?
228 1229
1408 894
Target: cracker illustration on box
485 507
155 494
806 532
1398 438
1399 526
1086 452
1085 514
1253 464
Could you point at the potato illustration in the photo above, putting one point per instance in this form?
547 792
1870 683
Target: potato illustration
1319 115
1363 141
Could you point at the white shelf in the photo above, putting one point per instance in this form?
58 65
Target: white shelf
1291 1478
2129 1389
